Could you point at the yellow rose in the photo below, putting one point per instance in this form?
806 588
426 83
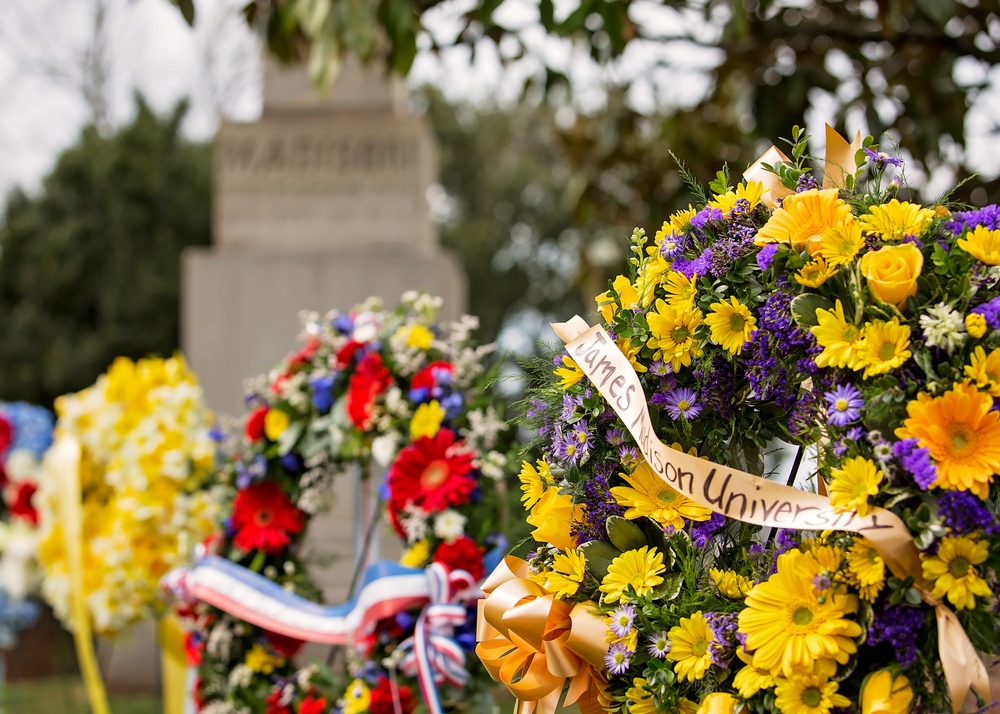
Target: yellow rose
275 423
892 272
629 297
552 517
884 694
717 703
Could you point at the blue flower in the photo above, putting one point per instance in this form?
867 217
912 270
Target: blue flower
322 387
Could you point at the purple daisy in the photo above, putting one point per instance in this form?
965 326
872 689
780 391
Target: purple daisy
622 619
845 404
682 402
881 159
618 658
659 645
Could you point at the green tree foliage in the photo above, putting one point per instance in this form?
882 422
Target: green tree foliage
90 268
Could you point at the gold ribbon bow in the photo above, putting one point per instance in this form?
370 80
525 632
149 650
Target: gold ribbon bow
533 643
838 165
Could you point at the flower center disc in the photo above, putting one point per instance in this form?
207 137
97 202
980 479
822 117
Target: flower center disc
736 322
699 647
264 517
887 351
961 438
802 617
680 335
959 567
667 496
811 696
434 475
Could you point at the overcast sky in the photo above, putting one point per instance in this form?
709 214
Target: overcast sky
44 68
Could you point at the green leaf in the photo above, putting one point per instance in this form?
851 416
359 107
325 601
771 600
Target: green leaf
804 309
312 15
289 436
187 10
939 11
624 534
599 556
670 587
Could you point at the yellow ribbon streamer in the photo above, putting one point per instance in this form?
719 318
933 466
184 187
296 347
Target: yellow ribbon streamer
173 664
62 462
534 643
838 165
752 499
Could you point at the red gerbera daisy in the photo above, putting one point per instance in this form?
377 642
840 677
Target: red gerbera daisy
461 554
20 503
427 377
345 355
432 473
264 518
370 380
254 427
312 705
381 702
6 433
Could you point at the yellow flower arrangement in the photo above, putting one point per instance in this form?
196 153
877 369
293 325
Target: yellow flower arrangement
570 373
681 291
866 568
146 463
752 191
552 517
815 273
732 585
626 292
568 571
534 482
840 244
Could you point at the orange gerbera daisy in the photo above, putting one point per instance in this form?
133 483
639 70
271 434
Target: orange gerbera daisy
804 218
961 433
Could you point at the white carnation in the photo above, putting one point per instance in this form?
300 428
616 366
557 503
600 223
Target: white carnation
943 327
449 525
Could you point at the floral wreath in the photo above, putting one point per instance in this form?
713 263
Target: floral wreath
837 317
388 390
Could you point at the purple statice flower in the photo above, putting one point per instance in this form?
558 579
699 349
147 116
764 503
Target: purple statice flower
716 385
615 437
705 216
963 513
914 240
600 504
987 216
786 540
622 619
991 312
682 402
723 627
535 406
881 159
756 548
697 266
806 182
702 531
845 404
899 626
916 460
766 255
618 658
659 645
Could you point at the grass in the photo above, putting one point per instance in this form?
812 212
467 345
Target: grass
66 695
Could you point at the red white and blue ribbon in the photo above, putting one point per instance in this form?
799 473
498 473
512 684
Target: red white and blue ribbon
386 590
432 655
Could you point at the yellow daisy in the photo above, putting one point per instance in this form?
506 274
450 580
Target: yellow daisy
640 699
984 370
651 274
717 703
982 244
953 571
884 346
804 218
672 334
689 647
427 420
631 352
752 191
853 483
808 694
417 555
568 571
626 293
357 697
962 433
788 628
639 569
681 291
840 244
260 660
534 482
653 497
750 680
897 219
866 568
275 423
570 373
732 325
840 340
815 273
681 220
975 325
886 692
730 583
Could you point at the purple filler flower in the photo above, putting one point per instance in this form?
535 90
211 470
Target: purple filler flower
702 531
622 619
682 402
659 645
881 159
618 658
845 404
917 461
963 513
766 255
899 626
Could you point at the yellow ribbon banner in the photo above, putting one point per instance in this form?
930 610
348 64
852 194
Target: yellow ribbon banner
62 462
173 664
534 643
752 499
